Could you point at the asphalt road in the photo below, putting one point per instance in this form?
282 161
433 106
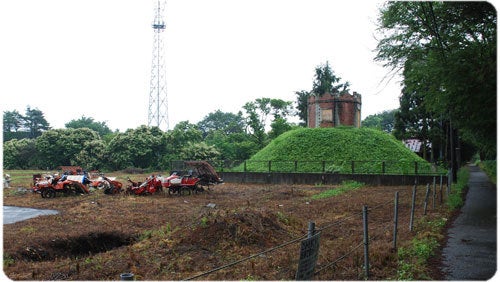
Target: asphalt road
471 249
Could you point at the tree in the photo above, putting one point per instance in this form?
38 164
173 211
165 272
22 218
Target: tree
183 133
227 123
278 127
143 147
35 122
326 81
447 51
58 147
12 121
87 122
92 156
199 151
19 154
302 97
383 121
258 113
235 146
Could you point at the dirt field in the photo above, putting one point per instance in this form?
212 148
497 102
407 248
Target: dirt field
161 237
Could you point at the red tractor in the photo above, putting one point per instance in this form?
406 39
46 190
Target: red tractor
110 185
67 184
194 181
152 185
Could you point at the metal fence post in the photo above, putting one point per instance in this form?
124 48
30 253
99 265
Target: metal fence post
427 190
269 166
434 193
311 229
441 189
395 234
352 167
366 241
412 214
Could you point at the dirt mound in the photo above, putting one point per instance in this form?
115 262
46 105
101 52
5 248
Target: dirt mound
246 228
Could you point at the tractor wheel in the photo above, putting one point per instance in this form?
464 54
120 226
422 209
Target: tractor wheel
49 193
67 190
171 191
197 188
185 191
79 189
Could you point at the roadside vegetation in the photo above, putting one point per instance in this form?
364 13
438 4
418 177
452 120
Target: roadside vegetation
414 259
490 168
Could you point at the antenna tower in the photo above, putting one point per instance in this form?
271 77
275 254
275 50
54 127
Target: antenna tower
158 106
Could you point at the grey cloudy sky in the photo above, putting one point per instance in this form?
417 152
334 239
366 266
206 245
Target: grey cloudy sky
93 57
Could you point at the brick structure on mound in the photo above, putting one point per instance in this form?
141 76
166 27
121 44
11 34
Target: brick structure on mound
330 110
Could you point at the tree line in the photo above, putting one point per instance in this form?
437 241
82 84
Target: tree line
220 135
446 53
93 145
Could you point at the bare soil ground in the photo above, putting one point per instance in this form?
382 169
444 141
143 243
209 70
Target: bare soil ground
161 237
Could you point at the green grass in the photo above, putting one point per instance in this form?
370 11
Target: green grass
334 150
412 259
455 199
490 168
345 187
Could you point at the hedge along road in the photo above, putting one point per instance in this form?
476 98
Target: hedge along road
471 250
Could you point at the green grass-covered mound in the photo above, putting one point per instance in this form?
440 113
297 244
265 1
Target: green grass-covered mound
341 149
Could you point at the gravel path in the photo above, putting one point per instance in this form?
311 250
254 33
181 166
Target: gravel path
471 249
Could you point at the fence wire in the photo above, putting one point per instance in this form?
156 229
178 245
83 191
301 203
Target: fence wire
385 226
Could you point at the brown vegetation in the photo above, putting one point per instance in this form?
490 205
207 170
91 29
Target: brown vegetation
161 237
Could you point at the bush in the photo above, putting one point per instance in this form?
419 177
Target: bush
490 168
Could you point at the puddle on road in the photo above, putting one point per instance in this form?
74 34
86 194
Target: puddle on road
13 214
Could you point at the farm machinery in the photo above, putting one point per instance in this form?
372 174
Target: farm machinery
49 185
201 175
152 185
109 185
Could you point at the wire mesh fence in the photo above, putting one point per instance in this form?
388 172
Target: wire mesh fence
361 244
394 167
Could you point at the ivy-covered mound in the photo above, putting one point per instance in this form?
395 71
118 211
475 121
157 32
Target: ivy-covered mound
340 149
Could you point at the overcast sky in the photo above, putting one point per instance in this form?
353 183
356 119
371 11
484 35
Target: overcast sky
93 58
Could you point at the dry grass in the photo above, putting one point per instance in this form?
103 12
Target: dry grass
160 237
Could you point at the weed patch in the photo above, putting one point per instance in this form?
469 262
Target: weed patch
345 187
455 199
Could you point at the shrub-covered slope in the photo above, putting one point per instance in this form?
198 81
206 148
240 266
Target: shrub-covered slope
371 150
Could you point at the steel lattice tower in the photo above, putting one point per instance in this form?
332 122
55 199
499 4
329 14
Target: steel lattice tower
158 106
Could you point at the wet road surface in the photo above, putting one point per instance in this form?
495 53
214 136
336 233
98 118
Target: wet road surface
471 249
